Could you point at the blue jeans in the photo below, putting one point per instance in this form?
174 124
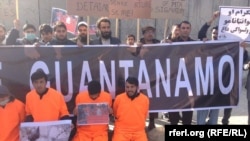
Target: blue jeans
212 115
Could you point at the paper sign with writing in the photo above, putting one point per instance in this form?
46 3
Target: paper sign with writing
122 9
234 23
88 7
174 9
7 12
142 8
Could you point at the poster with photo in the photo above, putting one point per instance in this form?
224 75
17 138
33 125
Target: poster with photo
92 113
45 131
70 21
93 29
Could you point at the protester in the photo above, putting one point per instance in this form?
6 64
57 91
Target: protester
212 114
82 34
2 35
175 32
46 33
29 32
202 34
104 27
12 113
60 33
42 103
96 132
130 111
247 86
130 40
148 33
174 117
13 34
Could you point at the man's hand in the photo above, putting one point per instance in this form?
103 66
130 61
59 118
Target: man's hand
31 52
75 111
110 110
16 23
36 44
243 44
216 14
79 43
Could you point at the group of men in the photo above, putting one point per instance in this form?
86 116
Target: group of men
129 105
46 104
57 35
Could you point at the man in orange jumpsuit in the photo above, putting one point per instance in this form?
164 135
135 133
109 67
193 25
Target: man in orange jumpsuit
42 103
12 113
97 132
130 111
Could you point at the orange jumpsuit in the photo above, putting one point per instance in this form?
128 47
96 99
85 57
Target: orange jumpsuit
130 117
50 107
10 118
92 132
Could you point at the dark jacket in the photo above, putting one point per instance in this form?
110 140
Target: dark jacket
155 41
78 38
61 42
203 31
23 41
246 59
113 41
179 39
12 37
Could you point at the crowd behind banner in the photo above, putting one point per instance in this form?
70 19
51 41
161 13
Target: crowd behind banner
47 78
180 74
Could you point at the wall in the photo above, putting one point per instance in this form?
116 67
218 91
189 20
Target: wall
197 12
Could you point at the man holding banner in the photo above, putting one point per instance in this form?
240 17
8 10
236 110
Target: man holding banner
60 33
103 25
149 38
174 117
82 31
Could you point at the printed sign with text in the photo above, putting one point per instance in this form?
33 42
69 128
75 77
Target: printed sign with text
234 23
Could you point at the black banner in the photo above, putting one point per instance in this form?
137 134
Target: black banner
175 77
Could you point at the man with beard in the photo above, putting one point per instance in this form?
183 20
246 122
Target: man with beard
130 110
60 33
103 25
94 95
2 35
81 38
